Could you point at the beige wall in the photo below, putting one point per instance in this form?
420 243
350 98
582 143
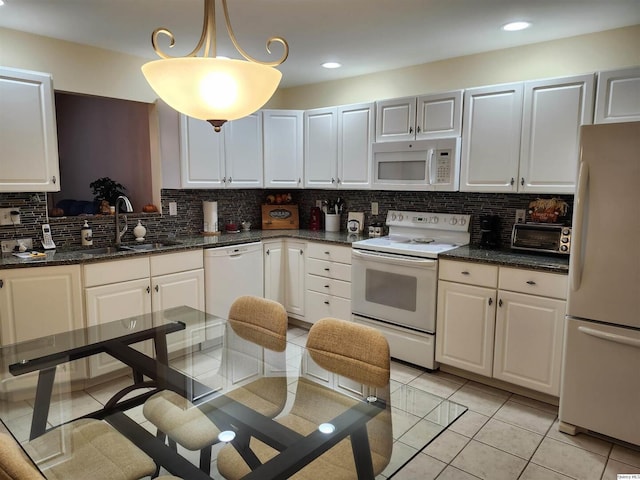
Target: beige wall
83 69
576 55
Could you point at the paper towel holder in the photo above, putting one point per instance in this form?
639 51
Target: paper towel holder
210 218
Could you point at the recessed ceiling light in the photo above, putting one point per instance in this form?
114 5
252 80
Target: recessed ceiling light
331 65
515 26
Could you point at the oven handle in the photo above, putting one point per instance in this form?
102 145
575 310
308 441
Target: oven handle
395 260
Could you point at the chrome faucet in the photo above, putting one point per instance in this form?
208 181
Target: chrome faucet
127 208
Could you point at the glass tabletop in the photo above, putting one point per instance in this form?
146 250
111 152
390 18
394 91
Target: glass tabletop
281 406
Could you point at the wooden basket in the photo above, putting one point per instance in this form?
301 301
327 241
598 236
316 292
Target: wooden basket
280 217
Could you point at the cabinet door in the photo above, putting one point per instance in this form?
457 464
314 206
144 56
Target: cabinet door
554 110
528 342
274 274
201 154
439 115
39 301
465 327
243 152
295 272
355 136
320 148
283 151
28 133
175 290
396 119
108 303
491 138
618 97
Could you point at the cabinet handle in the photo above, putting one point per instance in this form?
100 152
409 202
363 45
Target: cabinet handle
327 253
333 180
299 180
513 180
230 180
301 252
418 129
224 179
148 289
410 129
268 251
1 283
490 301
338 180
326 302
500 302
326 269
530 282
464 272
157 289
326 286
522 181
54 179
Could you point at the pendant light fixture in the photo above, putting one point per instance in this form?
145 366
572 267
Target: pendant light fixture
209 88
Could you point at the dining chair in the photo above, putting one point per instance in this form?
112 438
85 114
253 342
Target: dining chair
79 450
262 323
350 350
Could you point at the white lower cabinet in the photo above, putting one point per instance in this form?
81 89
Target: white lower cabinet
119 289
502 322
328 282
284 270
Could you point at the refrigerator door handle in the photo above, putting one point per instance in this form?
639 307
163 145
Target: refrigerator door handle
611 337
581 191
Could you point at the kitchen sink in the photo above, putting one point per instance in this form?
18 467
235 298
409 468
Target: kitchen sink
148 246
102 250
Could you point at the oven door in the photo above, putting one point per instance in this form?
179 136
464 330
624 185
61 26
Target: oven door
394 288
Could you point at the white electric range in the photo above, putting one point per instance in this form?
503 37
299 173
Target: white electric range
395 278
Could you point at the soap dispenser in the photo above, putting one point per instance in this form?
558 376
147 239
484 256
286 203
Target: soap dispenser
139 232
86 234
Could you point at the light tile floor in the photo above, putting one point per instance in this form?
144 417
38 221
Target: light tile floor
501 436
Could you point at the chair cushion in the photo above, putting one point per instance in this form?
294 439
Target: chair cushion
355 351
13 462
180 420
89 449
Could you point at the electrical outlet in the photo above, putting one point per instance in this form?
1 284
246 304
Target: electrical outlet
520 216
8 216
173 208
9 246
374 208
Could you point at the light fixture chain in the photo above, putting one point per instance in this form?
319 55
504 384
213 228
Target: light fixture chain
242 52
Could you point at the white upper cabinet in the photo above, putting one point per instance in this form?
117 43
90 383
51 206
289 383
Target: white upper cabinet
337 145
28 132
283 148
524 137
491 138
554 110
618 97
231 158
419 118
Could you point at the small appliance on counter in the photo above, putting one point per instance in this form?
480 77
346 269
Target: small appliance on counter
355 222
490 231
376 229
541 237
314 222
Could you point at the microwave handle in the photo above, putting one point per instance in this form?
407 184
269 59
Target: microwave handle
429 163
394 260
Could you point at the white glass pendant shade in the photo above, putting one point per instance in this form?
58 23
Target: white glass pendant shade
212 89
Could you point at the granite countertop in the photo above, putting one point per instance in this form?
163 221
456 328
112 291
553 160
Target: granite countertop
509 258
75 255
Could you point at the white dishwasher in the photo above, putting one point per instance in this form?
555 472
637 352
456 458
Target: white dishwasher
230 272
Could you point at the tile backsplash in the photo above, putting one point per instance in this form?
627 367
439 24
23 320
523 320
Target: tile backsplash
244 205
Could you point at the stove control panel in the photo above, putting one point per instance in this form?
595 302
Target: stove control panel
441 221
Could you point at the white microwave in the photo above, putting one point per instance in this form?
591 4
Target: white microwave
429 165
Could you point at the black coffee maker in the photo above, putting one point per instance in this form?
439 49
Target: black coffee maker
489 231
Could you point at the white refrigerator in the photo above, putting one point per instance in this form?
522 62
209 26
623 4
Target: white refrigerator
600 389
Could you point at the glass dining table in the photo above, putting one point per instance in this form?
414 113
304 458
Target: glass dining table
205 361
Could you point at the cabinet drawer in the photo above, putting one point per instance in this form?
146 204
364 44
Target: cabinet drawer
545 284
320 306
469 273
339 271
329 286
325 251
176 262
115 271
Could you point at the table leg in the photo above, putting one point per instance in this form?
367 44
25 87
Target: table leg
362 453
42 402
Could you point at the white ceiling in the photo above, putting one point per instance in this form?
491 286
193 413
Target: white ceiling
364 35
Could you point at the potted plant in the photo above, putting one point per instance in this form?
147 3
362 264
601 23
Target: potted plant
105 189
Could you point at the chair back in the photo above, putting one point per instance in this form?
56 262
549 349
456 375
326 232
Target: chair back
355 351
13 463
260 321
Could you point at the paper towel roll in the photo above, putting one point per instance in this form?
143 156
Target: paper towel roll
210 214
